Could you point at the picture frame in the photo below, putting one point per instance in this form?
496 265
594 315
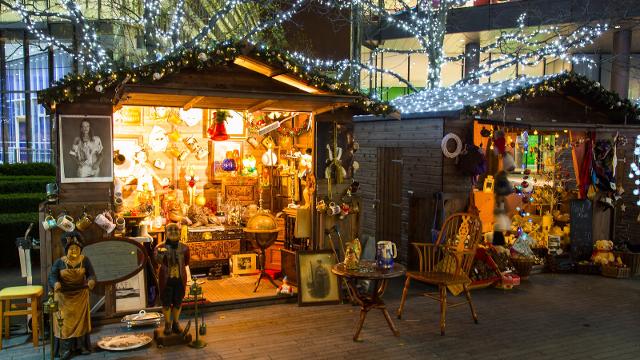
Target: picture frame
85 161
130 294
245 190
219 152
242 264
317 284
268 142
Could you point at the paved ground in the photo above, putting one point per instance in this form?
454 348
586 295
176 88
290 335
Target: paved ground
549 317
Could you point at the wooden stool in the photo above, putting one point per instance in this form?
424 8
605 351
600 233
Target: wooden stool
33 292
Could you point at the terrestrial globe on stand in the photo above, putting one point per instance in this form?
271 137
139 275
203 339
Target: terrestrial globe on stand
262 231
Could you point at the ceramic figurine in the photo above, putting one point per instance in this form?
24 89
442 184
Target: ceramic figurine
285 288
173 257
71 278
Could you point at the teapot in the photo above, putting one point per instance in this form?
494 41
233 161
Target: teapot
385 253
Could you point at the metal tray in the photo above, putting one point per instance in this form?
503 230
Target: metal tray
143 318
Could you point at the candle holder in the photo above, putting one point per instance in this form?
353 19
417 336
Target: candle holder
194 291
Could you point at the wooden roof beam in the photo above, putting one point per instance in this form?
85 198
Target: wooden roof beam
191 103
260 105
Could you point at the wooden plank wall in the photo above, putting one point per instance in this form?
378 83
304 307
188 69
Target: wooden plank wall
419 141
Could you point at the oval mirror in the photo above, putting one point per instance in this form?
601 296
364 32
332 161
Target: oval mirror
115 260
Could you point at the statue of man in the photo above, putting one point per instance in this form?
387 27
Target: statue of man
173 257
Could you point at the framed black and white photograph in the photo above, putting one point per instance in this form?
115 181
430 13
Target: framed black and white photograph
86 151
317 285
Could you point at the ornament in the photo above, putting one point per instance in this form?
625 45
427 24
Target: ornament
623 207
218 131
99 88
202 57
485 132
156 76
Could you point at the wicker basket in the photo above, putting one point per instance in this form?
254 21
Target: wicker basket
616 272
632 260
523 266
588 269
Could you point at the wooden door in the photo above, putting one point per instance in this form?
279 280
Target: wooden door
389 195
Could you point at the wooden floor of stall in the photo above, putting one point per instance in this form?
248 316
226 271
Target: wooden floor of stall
233 288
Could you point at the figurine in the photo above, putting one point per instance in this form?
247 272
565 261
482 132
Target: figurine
173 257
350 259
71 278
176 213
285 288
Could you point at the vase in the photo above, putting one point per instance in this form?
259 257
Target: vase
229 165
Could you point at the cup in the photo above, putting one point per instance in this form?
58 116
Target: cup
118 158
65 222
84 222
118 204
159 164
120 223
49 223
201 153
52 192
334 209
105 222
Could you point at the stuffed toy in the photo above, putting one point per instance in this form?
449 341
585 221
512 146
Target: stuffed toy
602 253
285 288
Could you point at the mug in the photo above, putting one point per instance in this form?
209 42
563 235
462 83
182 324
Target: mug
118 204
65 222
159 164
120 224
84 222
118 158
321 206
385 253
183 155
105 222
201 153
49 223
52 192
333 209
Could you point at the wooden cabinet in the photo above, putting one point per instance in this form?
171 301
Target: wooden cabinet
273 259
288 261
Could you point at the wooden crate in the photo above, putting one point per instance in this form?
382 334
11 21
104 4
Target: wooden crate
632 260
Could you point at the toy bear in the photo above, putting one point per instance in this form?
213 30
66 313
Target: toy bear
602 253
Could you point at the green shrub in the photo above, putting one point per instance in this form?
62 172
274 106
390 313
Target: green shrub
24 184
43 169
20 202
13 226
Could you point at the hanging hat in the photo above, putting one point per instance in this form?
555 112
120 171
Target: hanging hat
502 185
72 238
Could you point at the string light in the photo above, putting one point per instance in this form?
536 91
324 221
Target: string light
634 170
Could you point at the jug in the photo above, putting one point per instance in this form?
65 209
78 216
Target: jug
385 253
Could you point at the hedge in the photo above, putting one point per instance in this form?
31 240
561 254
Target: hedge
13 226
20 202
42 169
24 184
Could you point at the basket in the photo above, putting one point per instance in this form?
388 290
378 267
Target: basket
588 269
560 263
616 272
523 266
632 260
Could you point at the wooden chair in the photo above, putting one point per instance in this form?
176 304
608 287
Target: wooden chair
446 264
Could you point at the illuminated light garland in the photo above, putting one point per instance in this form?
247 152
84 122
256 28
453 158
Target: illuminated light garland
634 170
484 99
72 86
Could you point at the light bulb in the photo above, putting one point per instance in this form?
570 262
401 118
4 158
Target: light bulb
535 132
637 182
636 192
630 175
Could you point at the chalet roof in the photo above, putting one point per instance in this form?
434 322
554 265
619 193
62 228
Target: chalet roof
222 75
479 99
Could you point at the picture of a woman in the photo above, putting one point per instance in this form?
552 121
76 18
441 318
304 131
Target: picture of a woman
86 148
87 151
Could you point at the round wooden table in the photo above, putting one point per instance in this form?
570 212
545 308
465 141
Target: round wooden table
368 300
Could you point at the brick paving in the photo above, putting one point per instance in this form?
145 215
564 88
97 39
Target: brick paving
551 316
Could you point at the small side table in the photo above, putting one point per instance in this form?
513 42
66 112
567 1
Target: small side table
369 300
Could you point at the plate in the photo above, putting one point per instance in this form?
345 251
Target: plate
124 342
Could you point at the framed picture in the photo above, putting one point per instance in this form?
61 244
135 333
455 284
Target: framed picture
317 285
130 294
268 142
86 150
241 264
220 149
129 115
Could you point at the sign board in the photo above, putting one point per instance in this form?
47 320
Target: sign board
581 229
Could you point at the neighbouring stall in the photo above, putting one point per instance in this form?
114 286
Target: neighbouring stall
209 139
569 151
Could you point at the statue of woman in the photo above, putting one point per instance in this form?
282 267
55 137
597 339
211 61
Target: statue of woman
71 278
